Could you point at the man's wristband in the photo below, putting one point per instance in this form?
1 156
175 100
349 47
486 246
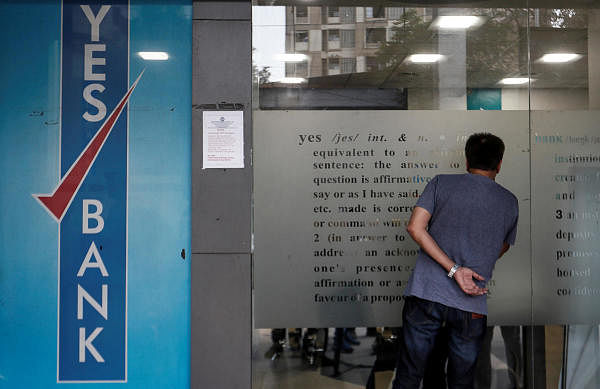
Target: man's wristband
453 270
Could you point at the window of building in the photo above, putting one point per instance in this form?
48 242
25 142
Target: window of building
333 65
290 69
347 15
375 12
301 11
348 39
333 36
395 13
348 65
333 12
301 36
373 65
296 69
375 35
301 69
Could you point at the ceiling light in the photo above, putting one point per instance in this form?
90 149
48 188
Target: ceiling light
560 57
154 55
514 80
457 22
292 80
425 58
291 57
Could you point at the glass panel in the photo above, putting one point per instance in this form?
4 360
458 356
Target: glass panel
378 74
560 41
543 318
564 54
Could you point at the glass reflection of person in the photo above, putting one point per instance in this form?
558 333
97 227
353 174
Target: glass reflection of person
511 335
463 223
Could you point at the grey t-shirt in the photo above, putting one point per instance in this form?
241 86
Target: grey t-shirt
471 217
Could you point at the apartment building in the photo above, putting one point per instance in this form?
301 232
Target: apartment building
339 40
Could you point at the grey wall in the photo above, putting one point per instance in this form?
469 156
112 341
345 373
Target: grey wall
221 204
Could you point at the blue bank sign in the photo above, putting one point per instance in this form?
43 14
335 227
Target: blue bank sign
90 201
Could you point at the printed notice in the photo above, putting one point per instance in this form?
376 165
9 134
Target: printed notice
223 139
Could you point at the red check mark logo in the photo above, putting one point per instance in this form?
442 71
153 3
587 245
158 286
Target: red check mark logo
59 201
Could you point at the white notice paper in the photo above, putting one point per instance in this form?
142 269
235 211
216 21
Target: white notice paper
223 139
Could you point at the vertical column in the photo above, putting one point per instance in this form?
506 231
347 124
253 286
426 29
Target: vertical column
221 203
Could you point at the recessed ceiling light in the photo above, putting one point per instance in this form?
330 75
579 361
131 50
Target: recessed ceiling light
154 55
292 80
425 58
291 57
560 57
514 80
458 22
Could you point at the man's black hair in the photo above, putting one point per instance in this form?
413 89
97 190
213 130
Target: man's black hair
484 151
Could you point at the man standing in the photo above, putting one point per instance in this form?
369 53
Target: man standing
463 224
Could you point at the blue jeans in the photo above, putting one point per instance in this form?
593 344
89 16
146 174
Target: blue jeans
422 322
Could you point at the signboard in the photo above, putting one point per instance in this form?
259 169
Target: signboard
95 230
333 193
90 202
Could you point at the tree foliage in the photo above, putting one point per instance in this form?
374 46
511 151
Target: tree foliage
264 75
493 50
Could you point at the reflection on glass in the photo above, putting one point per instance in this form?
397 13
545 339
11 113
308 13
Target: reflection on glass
456 22
154 55
425 58
514 80
559 57
381 49
495 58
561 49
